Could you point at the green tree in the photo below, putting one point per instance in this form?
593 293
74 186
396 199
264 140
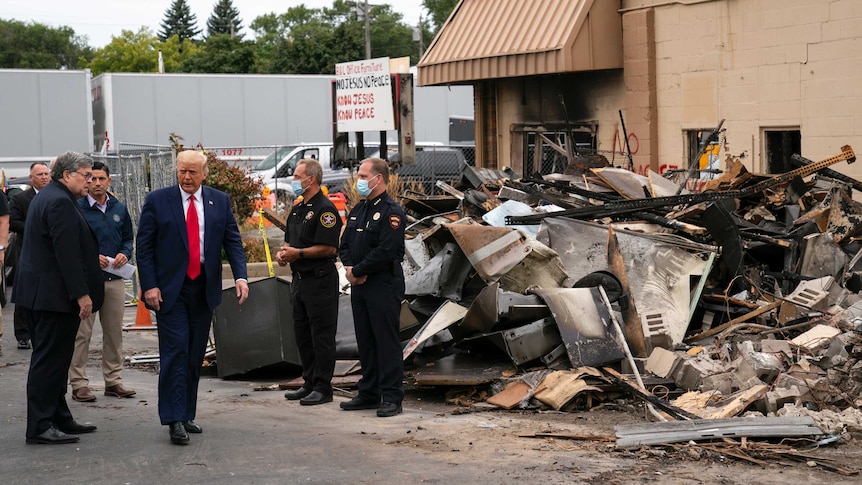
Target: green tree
180 21
267 37
311 41
221 53
390 36
224 20
139 52
37 46
318 39
439 11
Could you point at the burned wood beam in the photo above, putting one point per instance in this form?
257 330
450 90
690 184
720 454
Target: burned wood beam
726 325
770 240
670 223
647 216
275 219
569 436
542 195
620 207
637 391
568 188
633 327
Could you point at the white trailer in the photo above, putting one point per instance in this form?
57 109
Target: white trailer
45 113
223 110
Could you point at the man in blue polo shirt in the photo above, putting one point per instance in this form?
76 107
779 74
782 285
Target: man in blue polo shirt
112 224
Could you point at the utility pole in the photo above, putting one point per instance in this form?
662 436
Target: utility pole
367 32
417 35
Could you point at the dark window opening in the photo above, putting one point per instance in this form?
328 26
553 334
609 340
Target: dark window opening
780 145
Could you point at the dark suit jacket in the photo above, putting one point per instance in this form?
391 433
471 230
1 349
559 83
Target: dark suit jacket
18 205
163 244
60 260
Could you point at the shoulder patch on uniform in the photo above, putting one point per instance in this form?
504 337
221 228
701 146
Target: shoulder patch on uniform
327 219
395 221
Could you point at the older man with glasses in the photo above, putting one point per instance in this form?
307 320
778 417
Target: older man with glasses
60 281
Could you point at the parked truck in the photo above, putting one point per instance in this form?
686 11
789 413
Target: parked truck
45 113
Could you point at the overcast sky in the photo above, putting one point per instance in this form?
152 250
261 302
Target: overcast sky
101 19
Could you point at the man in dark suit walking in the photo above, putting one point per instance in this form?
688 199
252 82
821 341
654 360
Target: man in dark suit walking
40 176
60 281
181 233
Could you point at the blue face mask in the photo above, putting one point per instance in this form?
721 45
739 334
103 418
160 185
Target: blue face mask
363 189
296 185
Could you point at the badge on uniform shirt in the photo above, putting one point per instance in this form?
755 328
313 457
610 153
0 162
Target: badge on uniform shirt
309 215
376 216
116 217
395 221
327 219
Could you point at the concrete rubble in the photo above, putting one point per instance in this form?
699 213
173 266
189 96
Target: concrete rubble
744 290
739 295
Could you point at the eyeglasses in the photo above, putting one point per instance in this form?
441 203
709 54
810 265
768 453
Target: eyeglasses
87 176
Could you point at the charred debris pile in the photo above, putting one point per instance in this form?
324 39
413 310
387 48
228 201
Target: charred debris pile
741 296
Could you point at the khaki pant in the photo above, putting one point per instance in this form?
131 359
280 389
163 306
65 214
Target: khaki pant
111 319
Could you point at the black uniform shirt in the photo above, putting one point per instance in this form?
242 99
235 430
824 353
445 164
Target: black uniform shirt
374 236
313 221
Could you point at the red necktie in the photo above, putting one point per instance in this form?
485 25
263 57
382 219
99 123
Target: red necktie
193 229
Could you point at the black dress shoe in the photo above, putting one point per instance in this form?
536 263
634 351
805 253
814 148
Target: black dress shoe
74 427
315 397
297 394
361 402
388 409
178 434
52 436
24 344
192 427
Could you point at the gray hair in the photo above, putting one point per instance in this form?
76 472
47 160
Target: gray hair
312 168
69 161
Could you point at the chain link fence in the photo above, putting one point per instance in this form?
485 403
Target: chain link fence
432 163
135 170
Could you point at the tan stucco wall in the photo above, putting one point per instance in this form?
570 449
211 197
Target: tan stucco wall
639 73
760 64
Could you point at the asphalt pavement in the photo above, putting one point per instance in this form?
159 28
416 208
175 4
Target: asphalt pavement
248 436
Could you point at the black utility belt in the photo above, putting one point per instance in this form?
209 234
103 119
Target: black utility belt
316 272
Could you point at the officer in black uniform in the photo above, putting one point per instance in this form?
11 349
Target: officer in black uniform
371 250
311 243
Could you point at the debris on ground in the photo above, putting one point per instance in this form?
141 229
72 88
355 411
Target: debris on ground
741 297
707 300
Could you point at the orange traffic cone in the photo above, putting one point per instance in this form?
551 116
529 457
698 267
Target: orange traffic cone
143 319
